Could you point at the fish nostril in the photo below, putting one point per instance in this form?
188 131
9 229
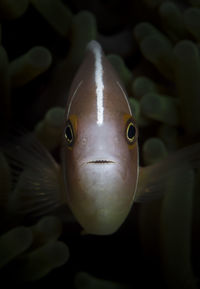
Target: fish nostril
100 162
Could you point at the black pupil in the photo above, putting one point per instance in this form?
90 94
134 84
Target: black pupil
131 131
68 133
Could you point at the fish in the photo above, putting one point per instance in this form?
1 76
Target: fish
99 177
100 158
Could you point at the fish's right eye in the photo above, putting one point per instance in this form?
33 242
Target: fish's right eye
69 134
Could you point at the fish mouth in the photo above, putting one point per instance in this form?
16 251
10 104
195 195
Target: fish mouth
100 162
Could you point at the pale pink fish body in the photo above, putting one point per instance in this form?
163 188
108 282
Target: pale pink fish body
100 155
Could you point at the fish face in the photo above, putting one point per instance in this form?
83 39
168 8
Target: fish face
100 151
102 177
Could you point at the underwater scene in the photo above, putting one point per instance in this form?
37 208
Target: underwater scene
154 47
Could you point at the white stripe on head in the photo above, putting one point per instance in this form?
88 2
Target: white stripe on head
97 51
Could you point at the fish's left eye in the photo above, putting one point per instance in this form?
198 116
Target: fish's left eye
130 132
69 134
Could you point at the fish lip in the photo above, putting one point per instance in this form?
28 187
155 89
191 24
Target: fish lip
98 161
101 161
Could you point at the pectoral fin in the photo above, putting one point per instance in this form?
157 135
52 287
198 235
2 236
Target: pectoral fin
153 178
37 186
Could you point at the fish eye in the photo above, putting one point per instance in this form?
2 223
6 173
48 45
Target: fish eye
130 132
69 135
